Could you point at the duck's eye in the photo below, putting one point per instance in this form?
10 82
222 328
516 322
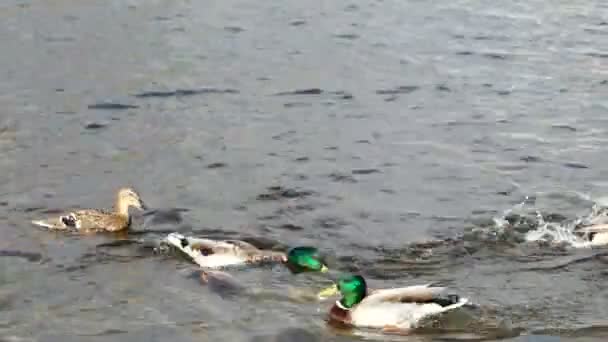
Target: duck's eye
69 221
184 242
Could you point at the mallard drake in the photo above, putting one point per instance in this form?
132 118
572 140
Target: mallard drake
221 253
96 219
397 310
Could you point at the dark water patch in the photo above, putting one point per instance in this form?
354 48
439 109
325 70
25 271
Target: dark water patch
276 193
233 29
511 167
288 335
347 36
495 55
185 92
3 203
597 54
112 106
301 159
309 91
331 222
397 90
161 18
301 177
443 87
221 283
342 177
59 39
503 92
531 159
217 165
563 90
31 209
564 127
555 217
331 148
298 23
297 104
291 227
575 165
283 135
388 191
29 256
391 98
117 243
363 141
166 216
365 171
465 53
290 210
356 116
343 95
270 217
95 126
604 82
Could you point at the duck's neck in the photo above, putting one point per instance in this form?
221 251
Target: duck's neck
121 208
339 313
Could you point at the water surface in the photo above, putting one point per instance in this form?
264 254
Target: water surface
363 128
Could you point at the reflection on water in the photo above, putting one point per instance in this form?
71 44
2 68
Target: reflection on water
399 137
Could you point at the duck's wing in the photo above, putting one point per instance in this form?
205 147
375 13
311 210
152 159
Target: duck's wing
410 294
85 219
100 220
207 252
242 246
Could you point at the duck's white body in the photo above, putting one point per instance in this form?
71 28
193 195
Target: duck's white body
209 253
207 260
382 308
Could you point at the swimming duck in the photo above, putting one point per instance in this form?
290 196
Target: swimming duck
595 230
397 310
92 220
596 234
221 253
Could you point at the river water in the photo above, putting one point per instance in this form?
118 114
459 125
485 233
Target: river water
412 141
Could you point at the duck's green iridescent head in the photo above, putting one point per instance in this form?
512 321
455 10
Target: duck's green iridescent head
353 289
305 259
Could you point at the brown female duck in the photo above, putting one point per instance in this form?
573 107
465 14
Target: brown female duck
93 220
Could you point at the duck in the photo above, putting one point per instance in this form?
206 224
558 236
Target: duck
95 220
596 234
595 230
396 310
215 254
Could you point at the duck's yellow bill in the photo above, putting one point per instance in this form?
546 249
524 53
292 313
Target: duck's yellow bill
328 292
324 269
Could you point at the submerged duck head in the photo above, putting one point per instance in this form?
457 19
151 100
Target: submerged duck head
305 259
128 197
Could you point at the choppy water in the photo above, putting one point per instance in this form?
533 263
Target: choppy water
413 141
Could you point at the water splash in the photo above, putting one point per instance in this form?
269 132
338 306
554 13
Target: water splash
534 225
